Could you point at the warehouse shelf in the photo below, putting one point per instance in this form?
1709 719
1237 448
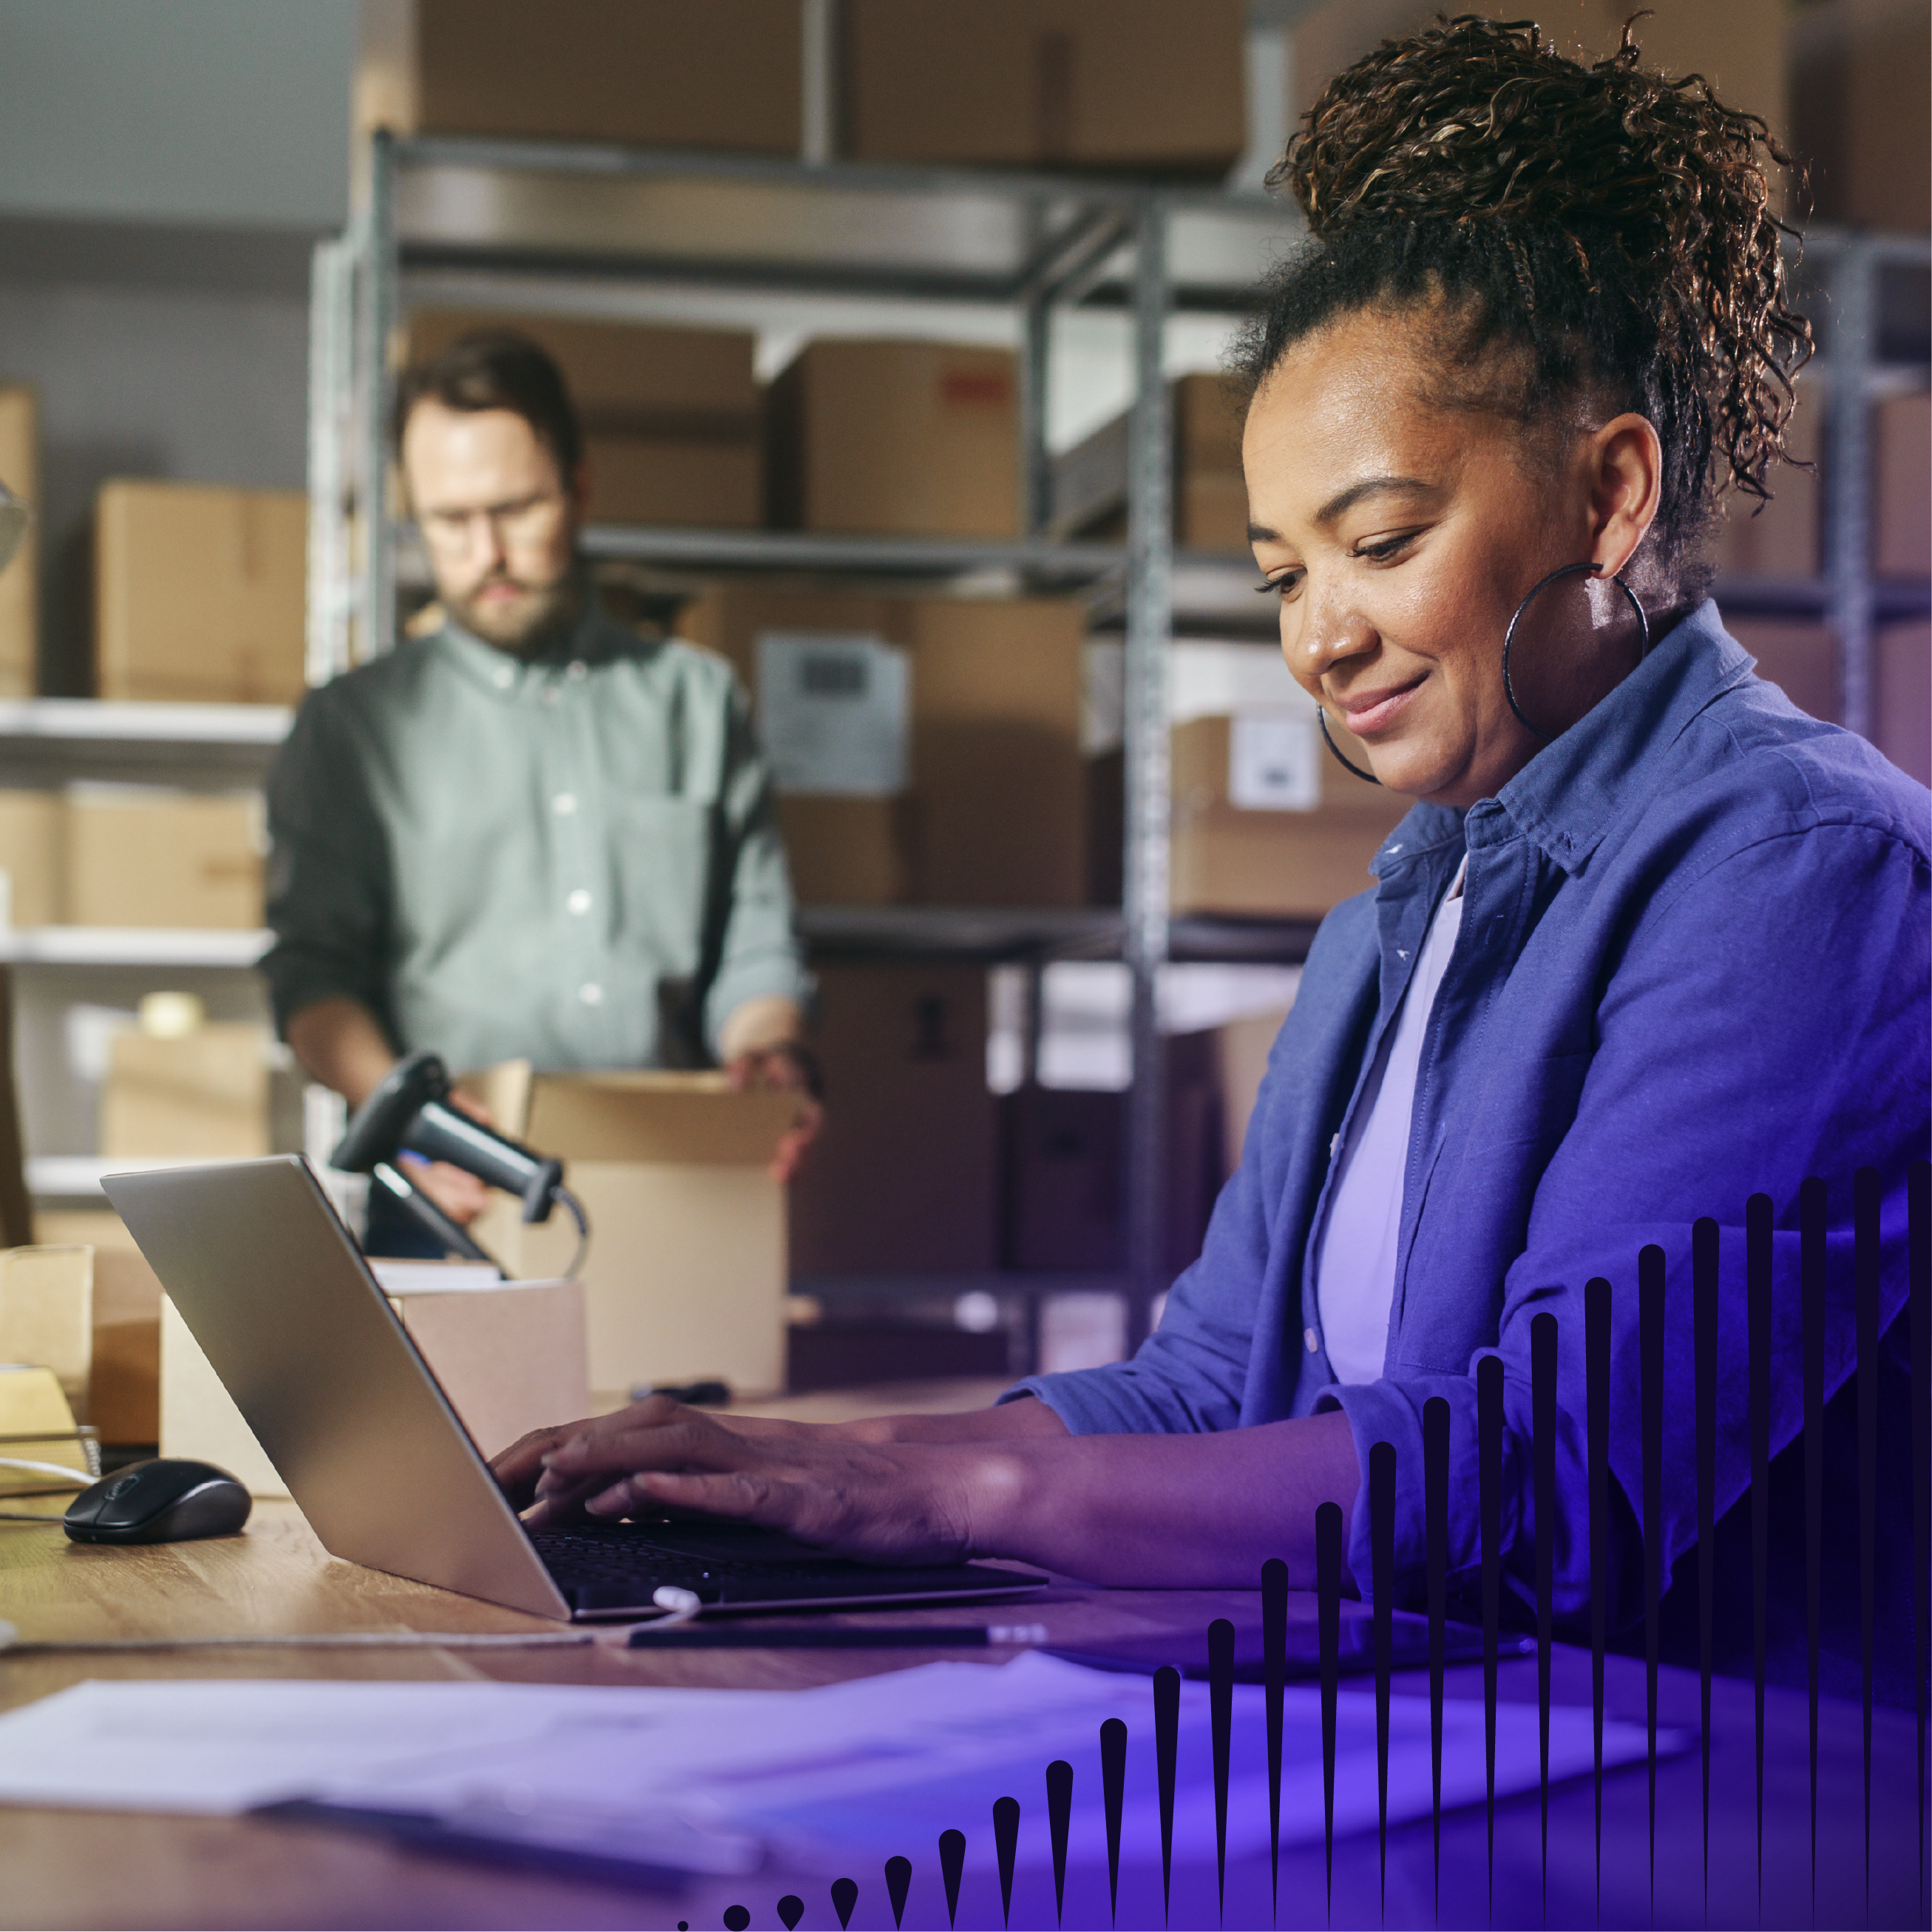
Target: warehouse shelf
132 946
64 1177
1020 933
48 739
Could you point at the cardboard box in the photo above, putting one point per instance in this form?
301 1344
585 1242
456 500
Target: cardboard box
1781 537
995 812
905 1178
509 1356
1144 85
921 439
47 1313
1861 117
1902 487
685 1276
659 73
1260 859
1210 493
1800 659
19 582
1241 1050
1064 1150
31 858
203 1097
123 1376
198 593
670 416
1904 706
138 856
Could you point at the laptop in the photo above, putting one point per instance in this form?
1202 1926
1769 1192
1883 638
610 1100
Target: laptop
273 1286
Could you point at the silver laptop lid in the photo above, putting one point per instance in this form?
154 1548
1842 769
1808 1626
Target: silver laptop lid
272 1286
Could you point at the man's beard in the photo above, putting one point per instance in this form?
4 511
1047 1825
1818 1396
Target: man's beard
536 623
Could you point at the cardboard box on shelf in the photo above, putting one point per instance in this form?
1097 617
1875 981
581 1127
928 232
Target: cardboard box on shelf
1860 118
124 1373
203 1096
644 72
509 1355
1902 487
1779 539
1800 659
685 1276
1265 823
198 593
141 857
1904 693
20 583
1119 84
47 1313
670 416
917 438
905 1178
31 858
994 812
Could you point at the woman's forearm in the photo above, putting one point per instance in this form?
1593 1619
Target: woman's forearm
1177 1511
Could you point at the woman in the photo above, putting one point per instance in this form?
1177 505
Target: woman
1651 941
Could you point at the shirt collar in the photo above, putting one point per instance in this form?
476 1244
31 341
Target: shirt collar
597 639
1566 796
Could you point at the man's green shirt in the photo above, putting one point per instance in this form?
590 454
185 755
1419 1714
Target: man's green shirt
574 861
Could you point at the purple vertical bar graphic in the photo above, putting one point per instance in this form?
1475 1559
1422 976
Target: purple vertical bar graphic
1221 1708
898 1882
1328 1615
1059 1817
1650 1267
1865 1254
951 1864
1435 1512
1919 1315
1007 1845
1113 1792
1543 1450
1597 1429
1166 1746
1811 1269
1381 1588
1704 1300
1757 1294
1490 1510
1274 1671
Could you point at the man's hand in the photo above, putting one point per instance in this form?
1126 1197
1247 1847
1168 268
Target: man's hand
887 1503
787 1065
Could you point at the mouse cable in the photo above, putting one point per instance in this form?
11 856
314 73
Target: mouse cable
583 1220
679 1606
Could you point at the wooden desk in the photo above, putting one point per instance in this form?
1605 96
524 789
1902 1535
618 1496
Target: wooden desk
90 1869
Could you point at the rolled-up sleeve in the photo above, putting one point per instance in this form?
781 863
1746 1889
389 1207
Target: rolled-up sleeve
1767 1023
758 954
329 884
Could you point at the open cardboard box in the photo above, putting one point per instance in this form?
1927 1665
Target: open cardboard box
685 1275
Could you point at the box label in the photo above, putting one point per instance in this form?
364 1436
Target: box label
834 711
1274 763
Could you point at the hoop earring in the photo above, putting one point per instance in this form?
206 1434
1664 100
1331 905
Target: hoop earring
1509 636
1321 718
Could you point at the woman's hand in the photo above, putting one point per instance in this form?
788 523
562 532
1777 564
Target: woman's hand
885 1502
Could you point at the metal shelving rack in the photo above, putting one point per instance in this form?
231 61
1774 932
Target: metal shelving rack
546 226
513 224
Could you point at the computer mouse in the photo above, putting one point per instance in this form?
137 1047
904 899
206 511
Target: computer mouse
167 1501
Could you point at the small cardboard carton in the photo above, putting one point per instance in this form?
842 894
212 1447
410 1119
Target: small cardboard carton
124 1366
203 1095
19 582
143 856
685 1275
508 1354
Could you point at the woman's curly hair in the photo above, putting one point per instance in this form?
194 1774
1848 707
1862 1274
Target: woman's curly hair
1595 235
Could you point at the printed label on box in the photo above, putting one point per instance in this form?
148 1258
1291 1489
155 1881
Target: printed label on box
1274 763
834 712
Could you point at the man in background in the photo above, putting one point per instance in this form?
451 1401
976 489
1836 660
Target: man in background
531 832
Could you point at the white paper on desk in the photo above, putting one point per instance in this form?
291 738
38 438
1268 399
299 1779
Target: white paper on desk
870 1766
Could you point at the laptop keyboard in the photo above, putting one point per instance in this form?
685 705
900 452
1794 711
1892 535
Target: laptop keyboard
621 1566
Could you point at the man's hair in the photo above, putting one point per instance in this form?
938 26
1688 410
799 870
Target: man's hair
497 369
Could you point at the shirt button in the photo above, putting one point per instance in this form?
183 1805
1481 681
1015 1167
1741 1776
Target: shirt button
577 671
550 693
564 804
1334 1146
591 994
1313 1340
504 677
579 901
